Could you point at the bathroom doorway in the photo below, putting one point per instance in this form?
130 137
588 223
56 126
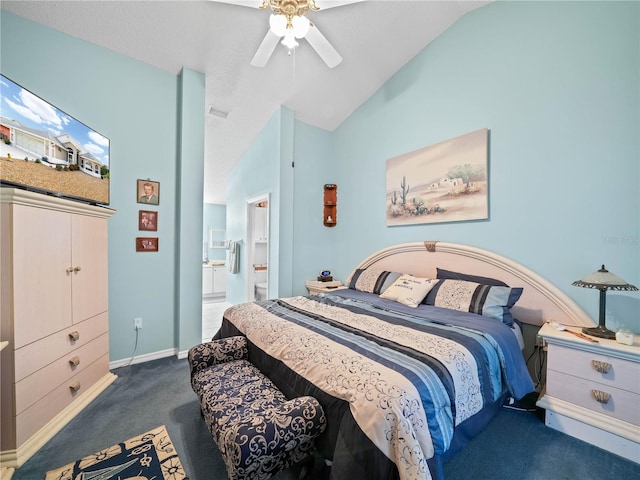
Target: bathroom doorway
258 248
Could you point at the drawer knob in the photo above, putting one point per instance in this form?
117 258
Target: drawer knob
75 386
76 269
75 361
600 396
70 269
75 335
601 367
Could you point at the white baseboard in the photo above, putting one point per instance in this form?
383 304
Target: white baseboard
147 357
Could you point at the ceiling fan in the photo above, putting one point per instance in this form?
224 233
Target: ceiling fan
289 21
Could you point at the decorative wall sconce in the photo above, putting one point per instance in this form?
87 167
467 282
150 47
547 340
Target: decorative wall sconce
330 205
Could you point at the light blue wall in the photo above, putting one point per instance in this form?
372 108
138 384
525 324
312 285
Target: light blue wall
137 108
214 217
256 174
191 107
557 84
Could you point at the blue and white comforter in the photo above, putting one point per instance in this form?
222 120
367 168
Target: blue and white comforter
408 376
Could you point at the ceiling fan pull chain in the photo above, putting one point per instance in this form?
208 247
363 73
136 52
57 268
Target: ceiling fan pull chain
294 67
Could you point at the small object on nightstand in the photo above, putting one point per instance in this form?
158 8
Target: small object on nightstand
557 326
583 336
325 276
624 336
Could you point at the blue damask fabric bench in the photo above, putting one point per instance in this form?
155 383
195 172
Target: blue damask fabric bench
258 430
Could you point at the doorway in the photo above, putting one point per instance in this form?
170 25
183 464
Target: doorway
258 209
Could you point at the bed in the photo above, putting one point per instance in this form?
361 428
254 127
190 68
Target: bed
406 379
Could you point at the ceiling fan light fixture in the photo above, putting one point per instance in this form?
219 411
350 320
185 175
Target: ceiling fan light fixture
300 26
289 40
278 24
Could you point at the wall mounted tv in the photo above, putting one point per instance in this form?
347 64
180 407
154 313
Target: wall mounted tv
46 150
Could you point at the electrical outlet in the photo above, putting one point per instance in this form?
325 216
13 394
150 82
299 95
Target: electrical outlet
137 323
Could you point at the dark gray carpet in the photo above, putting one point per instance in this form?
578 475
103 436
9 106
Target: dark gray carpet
514 445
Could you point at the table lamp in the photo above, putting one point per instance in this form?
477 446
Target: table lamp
603 280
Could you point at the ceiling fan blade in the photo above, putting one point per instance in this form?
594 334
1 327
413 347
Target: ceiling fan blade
323 48
243 3
324 4
265 49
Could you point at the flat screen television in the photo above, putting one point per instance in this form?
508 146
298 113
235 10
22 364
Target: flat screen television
46 150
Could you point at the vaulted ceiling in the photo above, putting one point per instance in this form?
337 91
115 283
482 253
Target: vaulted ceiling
375 39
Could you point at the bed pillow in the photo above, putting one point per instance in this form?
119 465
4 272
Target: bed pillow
409 290
371 280
487 300
442 274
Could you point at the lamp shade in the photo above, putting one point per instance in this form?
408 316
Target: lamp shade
300 26
604 280
278 24
289 40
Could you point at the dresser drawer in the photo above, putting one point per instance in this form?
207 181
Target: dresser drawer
32 388
622 374
621 404
35 417
37 355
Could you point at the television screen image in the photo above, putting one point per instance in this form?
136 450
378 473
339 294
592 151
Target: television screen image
46 150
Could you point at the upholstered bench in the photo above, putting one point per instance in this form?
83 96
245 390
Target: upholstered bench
258 430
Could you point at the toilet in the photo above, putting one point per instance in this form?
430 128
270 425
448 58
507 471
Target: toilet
261 291
260 284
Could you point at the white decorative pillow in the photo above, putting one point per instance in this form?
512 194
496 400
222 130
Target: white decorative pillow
409 290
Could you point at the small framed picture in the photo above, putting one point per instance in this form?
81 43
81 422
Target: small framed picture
148 220
148 192
146 244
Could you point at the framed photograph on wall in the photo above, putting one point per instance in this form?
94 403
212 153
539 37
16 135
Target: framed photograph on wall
445 182
148 220
146 244
148 192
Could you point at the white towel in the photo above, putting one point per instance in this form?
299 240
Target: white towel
234 256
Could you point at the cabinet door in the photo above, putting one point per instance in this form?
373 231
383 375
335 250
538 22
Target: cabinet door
90 283
219 280
41 284
207 280
260 228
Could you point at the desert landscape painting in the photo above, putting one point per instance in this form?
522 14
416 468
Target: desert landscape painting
444 182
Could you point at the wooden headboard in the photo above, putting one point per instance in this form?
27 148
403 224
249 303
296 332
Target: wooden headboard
540 302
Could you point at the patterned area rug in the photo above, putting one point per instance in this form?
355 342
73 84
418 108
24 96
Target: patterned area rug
150 456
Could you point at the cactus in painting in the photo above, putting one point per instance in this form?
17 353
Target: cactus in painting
394 198
405 189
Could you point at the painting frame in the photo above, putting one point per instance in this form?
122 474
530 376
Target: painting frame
148 192
444 182
147 244
148 220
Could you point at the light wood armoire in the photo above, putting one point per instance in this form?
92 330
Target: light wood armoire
55 316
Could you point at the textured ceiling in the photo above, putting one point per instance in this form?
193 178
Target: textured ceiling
375 39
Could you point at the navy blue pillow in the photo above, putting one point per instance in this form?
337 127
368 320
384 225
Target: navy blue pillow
450 275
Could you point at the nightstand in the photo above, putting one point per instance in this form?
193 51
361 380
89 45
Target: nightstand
315 287
593 391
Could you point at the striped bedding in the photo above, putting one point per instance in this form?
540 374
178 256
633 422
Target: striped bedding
396 382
